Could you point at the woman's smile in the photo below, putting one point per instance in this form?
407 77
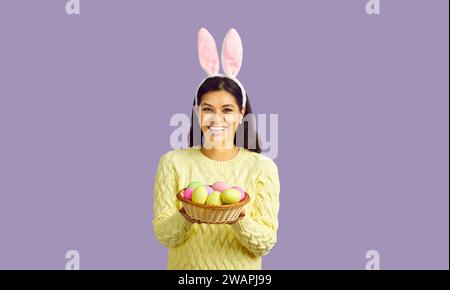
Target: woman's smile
219 118
217 130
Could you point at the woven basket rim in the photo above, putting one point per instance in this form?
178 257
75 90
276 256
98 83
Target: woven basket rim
216 207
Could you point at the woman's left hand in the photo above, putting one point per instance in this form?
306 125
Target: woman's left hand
241 216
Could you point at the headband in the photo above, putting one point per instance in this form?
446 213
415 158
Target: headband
231 57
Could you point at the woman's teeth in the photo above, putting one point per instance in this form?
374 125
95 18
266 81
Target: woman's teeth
216 129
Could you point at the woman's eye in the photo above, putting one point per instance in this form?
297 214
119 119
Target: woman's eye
207 110
227 110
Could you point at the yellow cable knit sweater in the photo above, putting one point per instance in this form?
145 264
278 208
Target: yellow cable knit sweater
210 246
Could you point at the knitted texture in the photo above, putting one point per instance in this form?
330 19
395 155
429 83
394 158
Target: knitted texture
216 246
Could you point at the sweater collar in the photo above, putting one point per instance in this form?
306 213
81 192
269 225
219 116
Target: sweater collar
203 159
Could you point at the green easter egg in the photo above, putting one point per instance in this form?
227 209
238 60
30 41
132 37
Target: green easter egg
230 196
214 198
200 195
194 184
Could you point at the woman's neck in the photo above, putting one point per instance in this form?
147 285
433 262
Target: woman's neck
220 154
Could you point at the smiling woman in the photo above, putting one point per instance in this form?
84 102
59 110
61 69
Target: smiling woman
219 114
219 119
219 108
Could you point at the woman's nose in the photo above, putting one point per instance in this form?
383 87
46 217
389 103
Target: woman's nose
218 117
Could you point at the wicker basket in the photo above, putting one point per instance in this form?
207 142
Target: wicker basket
212 214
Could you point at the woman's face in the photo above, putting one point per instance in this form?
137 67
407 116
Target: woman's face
219 119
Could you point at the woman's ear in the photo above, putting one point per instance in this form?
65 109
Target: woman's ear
241 116
198 114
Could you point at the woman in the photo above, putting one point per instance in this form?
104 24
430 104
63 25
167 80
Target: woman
220 107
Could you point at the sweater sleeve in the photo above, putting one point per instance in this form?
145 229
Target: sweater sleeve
257 231
170 227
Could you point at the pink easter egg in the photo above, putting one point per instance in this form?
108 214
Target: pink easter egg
238 188
220 186
209 189
188 193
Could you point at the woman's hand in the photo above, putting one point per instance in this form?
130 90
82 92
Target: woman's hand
241 216
188 218
193 221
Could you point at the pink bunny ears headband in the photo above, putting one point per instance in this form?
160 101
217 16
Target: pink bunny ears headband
231 57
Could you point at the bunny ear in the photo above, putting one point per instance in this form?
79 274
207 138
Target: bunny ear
232 53
207 52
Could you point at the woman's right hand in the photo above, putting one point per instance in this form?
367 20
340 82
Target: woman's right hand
192 221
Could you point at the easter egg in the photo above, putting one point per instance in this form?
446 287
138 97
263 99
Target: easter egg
194 184
238 188
209 189
231 195
200 194
214 198
188 193
220 186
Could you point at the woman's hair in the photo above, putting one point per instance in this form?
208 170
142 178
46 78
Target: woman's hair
250 135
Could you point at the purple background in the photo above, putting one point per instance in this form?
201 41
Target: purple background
85 104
